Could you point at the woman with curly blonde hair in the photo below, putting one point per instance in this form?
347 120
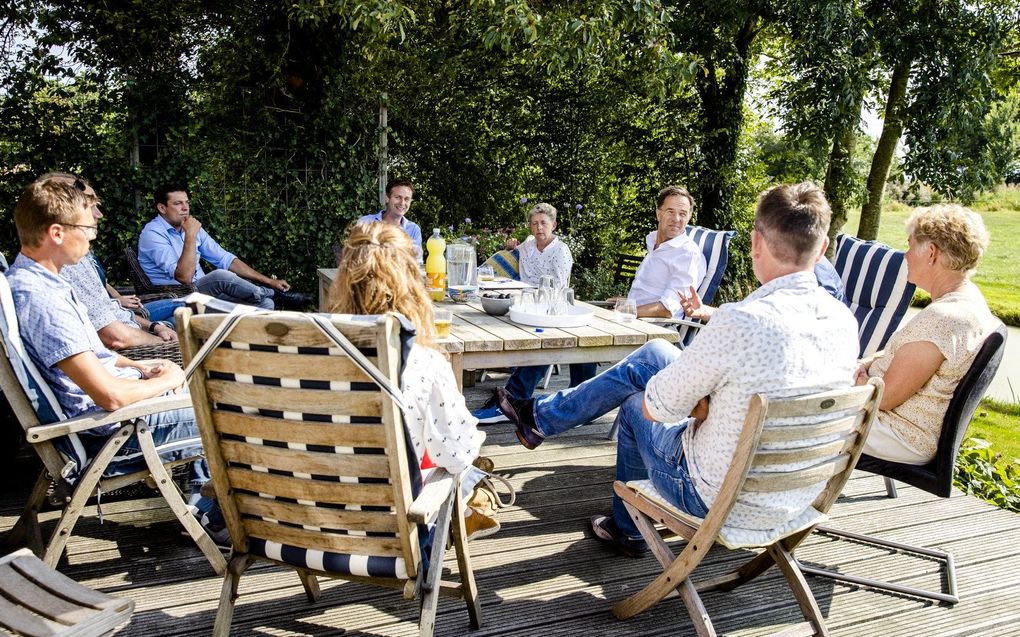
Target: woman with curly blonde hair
378 273
925 360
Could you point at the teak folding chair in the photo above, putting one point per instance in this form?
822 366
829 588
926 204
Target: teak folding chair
830 428
37 601
76 474
305 440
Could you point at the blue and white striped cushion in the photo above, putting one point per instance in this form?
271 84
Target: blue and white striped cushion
875 280
44 403
342 563
715 245
506 263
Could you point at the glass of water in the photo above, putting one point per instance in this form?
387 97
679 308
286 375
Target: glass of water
626 310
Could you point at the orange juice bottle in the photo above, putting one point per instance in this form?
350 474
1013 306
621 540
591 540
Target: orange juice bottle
435 265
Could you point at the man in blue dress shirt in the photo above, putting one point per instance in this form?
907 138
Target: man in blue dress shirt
169 248
399 195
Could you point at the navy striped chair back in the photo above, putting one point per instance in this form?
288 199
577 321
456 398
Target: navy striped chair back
308 454
875 281
715 245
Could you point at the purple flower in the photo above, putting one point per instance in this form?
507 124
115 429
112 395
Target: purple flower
524 200
467 220
578 207
450 228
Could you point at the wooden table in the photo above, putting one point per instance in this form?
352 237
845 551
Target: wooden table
480 341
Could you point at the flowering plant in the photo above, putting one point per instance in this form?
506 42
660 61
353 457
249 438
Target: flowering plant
487 241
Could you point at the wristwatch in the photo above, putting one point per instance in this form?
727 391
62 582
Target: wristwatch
152 326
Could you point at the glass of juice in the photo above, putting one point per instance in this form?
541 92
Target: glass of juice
442 319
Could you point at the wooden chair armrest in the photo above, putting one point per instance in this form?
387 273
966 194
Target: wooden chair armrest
145 407
426 506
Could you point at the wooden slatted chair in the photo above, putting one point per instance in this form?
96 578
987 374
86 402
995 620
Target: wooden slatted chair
306 445
37 601
626 267
76 474
831 426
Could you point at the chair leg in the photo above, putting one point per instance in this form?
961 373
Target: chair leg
228 594
430 589
801 591
84 489
469 589
890 488
310 583
674 571
950 598
173 499
613 431
26 531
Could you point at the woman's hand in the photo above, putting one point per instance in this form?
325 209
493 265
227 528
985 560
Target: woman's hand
511 244
129 301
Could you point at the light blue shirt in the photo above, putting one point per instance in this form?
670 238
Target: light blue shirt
160 247
408 226
55 326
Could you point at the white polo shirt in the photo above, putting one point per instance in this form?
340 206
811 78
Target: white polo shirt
675 265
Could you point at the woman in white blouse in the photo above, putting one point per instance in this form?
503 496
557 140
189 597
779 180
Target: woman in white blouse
542 253
378 273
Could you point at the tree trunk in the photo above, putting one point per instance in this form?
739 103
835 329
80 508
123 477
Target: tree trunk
722 104
892 129
840 180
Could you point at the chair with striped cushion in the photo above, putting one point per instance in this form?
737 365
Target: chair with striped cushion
506 263
75 473
715 245
301 421
875 281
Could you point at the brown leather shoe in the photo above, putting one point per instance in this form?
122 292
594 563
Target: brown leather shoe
521 414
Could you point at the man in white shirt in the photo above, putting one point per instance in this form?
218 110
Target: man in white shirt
674 262
789 337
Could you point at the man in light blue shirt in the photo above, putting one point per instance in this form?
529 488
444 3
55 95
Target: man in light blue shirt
399 195
169 248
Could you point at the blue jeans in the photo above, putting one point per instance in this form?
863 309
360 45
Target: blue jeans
163 309
569 408
175 434
524 380
225 285
645 449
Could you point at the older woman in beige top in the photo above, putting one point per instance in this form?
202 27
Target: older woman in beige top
924 360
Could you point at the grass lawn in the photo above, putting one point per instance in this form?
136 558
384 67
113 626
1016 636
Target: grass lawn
998 273
999 424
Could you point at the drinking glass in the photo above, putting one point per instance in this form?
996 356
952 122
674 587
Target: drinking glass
626 310
528 301
442 319
486 273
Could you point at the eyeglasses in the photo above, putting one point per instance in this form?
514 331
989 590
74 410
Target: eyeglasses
90 231
79 184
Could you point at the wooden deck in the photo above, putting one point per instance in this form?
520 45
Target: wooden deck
542 576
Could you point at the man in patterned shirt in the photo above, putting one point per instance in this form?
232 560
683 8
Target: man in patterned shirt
789 337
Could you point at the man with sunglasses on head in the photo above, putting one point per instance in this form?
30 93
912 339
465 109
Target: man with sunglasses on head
169 248
117 327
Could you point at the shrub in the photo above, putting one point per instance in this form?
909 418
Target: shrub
988 475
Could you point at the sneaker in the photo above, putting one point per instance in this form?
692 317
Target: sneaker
489 415
478 525
604 528
522 414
